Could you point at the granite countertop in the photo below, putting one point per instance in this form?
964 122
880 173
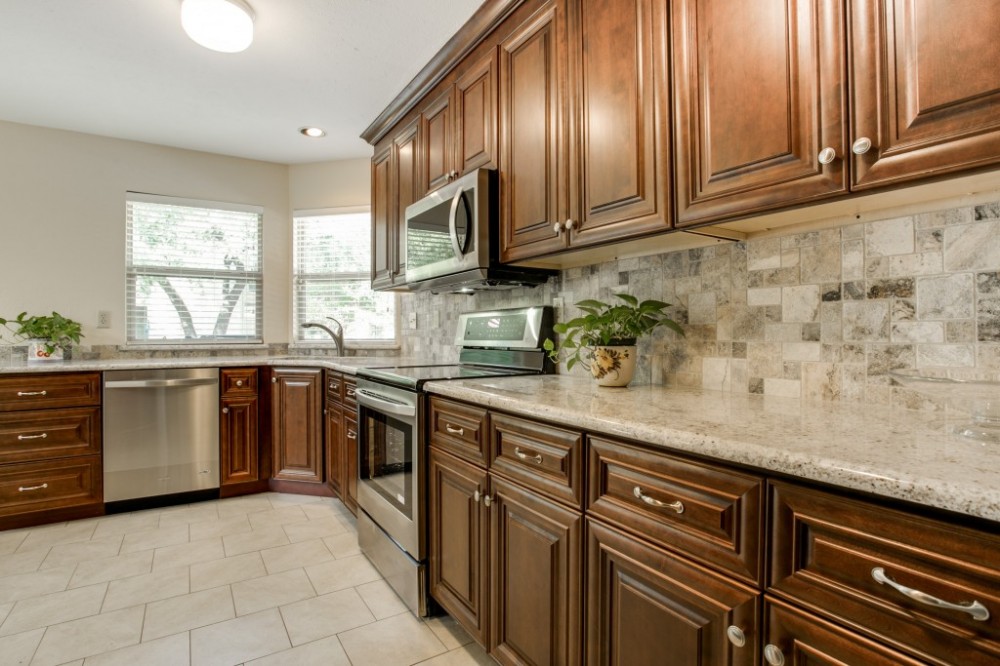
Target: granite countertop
345 364
897 453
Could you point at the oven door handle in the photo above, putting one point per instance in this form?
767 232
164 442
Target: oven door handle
377 402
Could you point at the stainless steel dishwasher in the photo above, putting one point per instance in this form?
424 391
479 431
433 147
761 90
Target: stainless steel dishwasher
161 432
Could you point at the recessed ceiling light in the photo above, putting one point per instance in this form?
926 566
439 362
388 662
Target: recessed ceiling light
219 25
312 132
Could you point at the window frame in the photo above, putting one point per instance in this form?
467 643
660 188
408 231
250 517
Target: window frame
132 275
295 342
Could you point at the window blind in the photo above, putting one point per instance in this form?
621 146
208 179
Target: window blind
332 265
193 271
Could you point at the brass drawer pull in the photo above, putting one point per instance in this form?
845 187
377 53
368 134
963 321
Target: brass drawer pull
335 386
28 394
24 489
350 393
351 434
42 436
453 430
524 456
239 382
974 608
677 506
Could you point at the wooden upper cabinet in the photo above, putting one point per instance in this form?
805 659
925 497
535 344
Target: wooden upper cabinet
476 115
406 180
532 178
437 127
758 94
622 98
926 82
383 219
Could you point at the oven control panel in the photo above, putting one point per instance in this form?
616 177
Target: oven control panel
516 328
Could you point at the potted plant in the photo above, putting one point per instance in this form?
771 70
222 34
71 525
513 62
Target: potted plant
48 336
603 339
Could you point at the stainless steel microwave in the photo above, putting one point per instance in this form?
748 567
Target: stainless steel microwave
452 239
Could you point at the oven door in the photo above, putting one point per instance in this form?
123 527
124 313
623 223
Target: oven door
390 462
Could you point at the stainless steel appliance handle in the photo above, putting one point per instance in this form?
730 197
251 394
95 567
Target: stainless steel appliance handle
453 224
159 383
375 401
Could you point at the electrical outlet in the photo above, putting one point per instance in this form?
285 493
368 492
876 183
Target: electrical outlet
413 320
557 303
104 319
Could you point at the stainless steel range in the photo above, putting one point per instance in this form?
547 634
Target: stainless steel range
392 447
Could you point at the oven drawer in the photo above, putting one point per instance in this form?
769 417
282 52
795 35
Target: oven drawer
51 484
542 457
711 513
459 429
830 553
41 391
49 433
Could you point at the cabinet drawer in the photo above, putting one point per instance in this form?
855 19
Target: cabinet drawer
50 485
828 553
708 512
350 400
545 458
459 429
334 388
239 382
54 433
78 389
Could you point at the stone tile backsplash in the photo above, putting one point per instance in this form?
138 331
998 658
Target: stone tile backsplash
816 315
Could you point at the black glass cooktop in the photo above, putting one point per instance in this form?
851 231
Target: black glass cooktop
414 376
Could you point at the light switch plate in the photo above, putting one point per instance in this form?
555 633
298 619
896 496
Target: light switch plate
412 320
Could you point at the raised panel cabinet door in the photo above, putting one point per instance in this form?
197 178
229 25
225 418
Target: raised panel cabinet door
459 537
532 148
334 438
926 82
623 89
476 115
238 429
536 559
806 640
296 401
349 482
407 190
646 607
383 220
437 129
758 95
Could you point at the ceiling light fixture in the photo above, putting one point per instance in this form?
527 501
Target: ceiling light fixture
312 132
220 25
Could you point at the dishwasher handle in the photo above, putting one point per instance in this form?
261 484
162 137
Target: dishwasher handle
160 383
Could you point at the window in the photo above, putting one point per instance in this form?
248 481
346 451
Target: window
193 271
332 267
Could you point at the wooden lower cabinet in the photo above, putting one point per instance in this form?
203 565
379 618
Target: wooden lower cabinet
334 437
459 541
297 430
349 456
238 430
795 637
535 569
646 606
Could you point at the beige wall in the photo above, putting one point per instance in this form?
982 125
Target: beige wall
62 217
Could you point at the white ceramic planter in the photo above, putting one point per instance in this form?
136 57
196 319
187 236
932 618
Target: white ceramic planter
37 353
613 365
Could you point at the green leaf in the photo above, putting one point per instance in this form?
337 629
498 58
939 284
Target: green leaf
629 298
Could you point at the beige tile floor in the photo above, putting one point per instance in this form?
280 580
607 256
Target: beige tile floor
267 580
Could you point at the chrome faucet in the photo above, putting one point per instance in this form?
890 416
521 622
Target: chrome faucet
338 337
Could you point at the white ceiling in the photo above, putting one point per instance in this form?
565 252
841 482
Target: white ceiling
125 69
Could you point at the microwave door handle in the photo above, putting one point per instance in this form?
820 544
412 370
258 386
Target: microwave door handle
453 223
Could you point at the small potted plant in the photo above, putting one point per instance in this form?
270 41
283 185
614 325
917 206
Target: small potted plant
49 337
603 339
